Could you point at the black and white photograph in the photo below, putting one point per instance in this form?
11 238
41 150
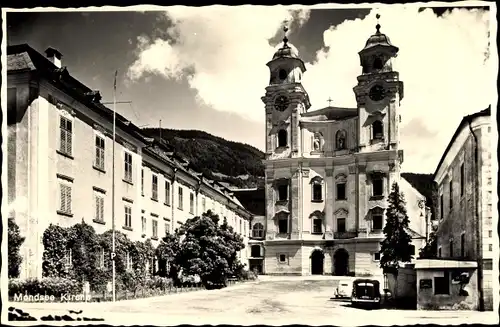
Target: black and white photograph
323 164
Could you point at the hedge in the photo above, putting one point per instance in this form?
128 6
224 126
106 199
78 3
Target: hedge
51 286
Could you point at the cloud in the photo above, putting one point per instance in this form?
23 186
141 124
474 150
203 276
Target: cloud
222 52
441 62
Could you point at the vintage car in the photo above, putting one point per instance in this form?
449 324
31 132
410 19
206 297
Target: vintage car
344 289
366 292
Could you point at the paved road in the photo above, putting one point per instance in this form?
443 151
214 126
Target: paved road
269 301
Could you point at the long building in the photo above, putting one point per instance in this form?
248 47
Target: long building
329 171
59 152
465 206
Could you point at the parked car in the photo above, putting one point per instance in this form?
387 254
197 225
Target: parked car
343 289
365 292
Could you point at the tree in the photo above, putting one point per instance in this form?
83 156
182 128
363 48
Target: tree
429 251
15 240
84 244
55 242
167 253
396 247
208 250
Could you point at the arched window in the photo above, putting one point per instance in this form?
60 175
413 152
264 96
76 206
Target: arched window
340 139
258 230
377 63
378 130
317 189
282 138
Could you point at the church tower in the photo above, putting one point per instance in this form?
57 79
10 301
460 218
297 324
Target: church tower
378 95
285 100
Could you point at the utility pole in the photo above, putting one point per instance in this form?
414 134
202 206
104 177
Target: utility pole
113 254
160 130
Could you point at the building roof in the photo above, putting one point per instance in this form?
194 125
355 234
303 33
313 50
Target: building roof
465 121
330 113
23 58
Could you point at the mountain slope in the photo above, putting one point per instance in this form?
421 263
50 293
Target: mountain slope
234 163
237 164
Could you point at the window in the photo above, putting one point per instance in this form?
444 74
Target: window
442 284
155 228
245 228
204 204
283 225
340 139
99 152
255 251
490 247
282 138
462 245
317 225
128 167
377 63
439 252
378 185
341 225
412 249
142 181
65 198
99 207
241 228
258 230
341 191
167 228
378 130
154 188
451 248
317 190
376 256
451 195
282 74
66 141
11 106
180 206
462 179
282 258
490 233
441 204
128 216
167 193
144 224
191 203
283 192
377 221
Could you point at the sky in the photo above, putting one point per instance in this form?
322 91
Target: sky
205 67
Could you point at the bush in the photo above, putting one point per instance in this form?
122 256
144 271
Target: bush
46 286
244 274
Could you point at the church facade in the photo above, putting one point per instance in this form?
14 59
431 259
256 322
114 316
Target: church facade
329 172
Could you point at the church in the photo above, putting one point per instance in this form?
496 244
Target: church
329 171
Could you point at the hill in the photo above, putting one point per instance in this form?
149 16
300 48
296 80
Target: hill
232 163
239 165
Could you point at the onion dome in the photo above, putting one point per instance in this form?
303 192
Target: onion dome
379 39
286 50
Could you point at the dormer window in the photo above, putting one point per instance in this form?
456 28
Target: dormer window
282 138
378 130
340 140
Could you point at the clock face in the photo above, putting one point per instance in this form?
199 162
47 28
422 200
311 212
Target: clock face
377 93
281 103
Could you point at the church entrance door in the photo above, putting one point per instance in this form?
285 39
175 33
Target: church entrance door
317 258
341 262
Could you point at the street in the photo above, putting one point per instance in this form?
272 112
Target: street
268 301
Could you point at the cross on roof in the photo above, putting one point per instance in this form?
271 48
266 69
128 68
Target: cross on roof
329 101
